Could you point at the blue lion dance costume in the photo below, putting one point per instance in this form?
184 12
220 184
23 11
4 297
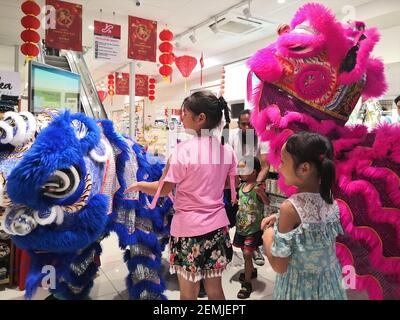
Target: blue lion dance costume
63 178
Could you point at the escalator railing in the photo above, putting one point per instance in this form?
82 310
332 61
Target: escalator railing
75 62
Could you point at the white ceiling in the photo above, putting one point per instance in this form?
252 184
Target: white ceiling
180 16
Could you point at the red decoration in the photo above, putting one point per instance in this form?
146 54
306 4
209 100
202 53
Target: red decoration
102 95
30 22
202 66
111 86
167 58
142 39
166 35
186 64
166 70
29 49
152 91
30 7
30 37
222 86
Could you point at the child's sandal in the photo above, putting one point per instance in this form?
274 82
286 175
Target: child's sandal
245 291
253 275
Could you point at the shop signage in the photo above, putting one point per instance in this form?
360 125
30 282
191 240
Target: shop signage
66 33
141 84
142 39
10 83
107 41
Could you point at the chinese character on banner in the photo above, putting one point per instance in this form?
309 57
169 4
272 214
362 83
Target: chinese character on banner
107 41
142 39
141 85
122 84
67 34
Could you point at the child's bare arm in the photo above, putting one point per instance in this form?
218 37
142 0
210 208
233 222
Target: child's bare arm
288 219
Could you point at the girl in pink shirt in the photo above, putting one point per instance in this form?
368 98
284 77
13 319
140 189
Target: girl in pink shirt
200 246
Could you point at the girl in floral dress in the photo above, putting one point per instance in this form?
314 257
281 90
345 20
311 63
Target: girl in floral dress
200 247
300 241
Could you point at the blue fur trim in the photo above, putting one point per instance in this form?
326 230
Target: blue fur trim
88 226
132 262
56 147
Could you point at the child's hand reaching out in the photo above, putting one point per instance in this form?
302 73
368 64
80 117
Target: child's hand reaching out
132 188
268 222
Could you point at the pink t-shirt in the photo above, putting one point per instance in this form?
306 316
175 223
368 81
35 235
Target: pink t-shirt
200 167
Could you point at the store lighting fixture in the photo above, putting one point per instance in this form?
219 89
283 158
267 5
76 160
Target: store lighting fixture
281 1
214 26
247 11
91 27
192 38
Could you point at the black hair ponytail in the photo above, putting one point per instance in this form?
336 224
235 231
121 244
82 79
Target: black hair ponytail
328 174
318 150
225 109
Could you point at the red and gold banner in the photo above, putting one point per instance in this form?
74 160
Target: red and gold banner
67 34
142 39
142 85
122 84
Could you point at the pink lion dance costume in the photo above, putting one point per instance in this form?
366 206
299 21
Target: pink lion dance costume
310 80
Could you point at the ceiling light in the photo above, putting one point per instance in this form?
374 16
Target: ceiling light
214 26
91 27
281 1
192 38
247 11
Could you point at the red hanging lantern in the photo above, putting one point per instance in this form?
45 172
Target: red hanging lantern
166 70
166 35
111 85
30 7
31 23
186 64
167 58
152 91
222 86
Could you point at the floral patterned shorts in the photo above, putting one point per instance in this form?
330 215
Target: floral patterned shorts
200 257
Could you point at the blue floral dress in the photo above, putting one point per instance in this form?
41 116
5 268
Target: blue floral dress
314 272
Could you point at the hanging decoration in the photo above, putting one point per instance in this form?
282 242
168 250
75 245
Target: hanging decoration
31 23
152 89
201 70
186 64
102 95
167 58
111 86
222 86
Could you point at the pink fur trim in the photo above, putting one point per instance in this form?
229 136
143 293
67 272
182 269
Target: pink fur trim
265 65
317 43
363 55
376 214
323 20
376 84
363 283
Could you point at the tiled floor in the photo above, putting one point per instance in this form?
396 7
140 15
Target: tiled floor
110 283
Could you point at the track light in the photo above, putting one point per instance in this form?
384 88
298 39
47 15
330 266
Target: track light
247 11
214 26
192 38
